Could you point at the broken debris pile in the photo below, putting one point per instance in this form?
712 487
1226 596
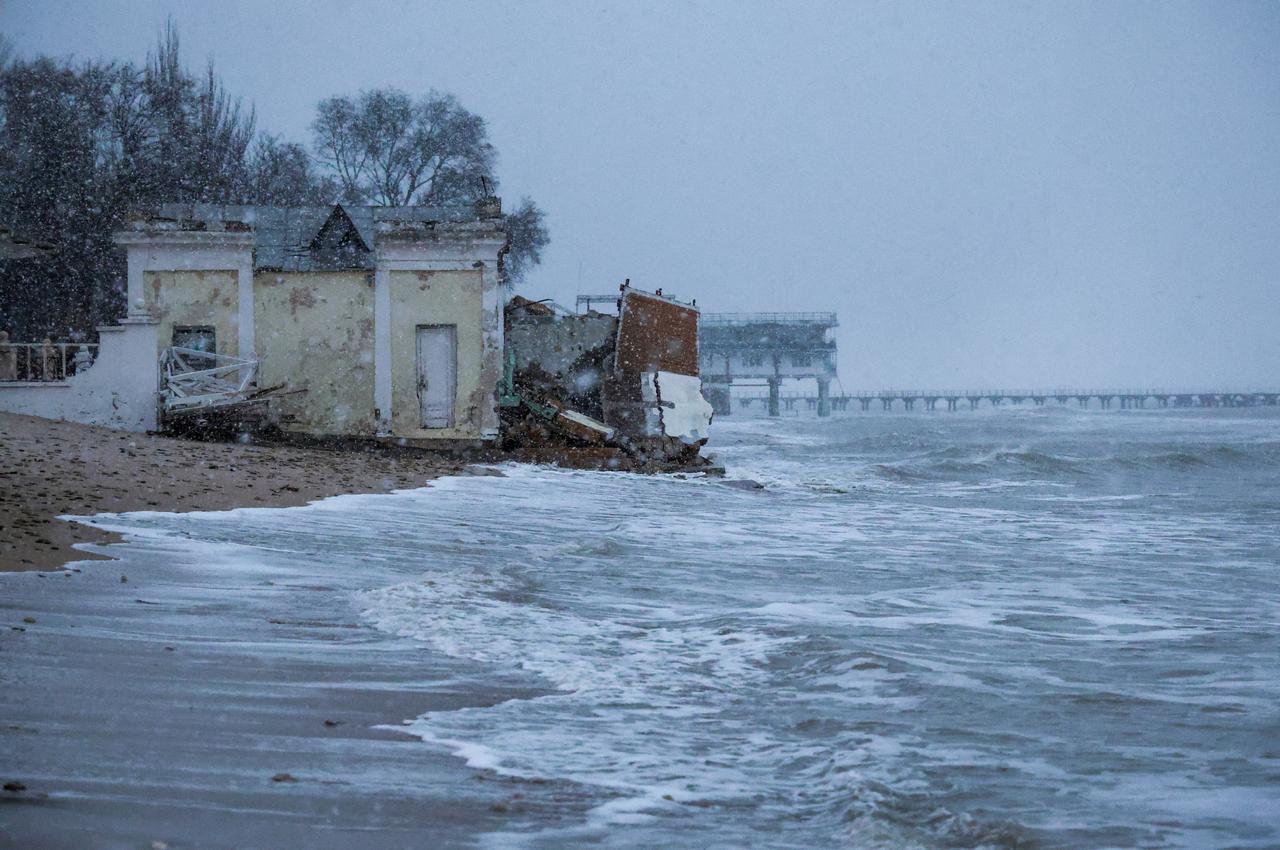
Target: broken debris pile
627 385
202 391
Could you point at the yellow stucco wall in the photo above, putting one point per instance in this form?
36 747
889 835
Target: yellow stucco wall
438 298
314 331
195 298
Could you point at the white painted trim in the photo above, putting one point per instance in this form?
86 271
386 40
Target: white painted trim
185 238
194 251
165 255
172 258
382 348
244 281
468 252
137 291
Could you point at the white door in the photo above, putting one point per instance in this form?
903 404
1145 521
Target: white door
437 374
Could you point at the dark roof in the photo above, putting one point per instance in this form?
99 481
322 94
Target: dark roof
290 238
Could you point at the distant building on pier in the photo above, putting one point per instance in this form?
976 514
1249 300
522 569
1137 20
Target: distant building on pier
769 348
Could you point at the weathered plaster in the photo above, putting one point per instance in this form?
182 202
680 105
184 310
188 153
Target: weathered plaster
463 262
182 250
176 298
437 298
316 329
382 349
188 275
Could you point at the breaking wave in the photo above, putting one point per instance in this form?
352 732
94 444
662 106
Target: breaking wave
822 662
990 631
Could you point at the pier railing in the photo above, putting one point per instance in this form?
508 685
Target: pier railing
1105 398
726 319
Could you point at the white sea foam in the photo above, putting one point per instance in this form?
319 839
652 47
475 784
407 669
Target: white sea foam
845 657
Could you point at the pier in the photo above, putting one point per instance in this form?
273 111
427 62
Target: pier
926 400
768 347
765 349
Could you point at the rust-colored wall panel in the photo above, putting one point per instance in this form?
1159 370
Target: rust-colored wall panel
656 334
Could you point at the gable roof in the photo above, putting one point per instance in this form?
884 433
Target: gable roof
314 238
338 231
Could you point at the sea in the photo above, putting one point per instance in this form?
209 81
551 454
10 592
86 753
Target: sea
1020 627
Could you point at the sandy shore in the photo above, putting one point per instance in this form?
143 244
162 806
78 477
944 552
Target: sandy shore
193 706
48 469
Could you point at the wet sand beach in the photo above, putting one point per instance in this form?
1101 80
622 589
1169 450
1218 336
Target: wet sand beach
186 702
48 469
187 705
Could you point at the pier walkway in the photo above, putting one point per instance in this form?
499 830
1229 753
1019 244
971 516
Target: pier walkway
973 399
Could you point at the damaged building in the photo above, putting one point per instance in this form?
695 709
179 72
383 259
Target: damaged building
379 323
628 381
370 321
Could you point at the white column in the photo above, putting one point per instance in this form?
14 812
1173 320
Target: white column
136 295
244 281
382 348
491 360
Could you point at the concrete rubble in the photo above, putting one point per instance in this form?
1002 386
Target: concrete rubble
626 384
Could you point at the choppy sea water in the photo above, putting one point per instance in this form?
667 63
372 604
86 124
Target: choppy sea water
1041 628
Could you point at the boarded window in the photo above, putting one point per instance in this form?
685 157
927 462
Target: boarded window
197 338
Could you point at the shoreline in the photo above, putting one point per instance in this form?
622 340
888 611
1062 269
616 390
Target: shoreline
251 706
50 469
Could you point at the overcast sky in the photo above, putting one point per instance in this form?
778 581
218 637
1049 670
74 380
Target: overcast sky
1007 194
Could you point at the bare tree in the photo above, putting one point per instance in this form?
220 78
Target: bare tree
283 173
386 148
389 149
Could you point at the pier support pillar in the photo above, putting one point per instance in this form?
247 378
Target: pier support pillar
824 396
720 397
775 387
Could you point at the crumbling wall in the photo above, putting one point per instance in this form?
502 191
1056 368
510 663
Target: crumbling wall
118 391
567 357
314 331
655 335
556 342
194 298
635 375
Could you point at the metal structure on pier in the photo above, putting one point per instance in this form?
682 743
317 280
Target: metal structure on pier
769 347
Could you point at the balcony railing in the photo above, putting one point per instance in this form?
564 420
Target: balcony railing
730 319
45 361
